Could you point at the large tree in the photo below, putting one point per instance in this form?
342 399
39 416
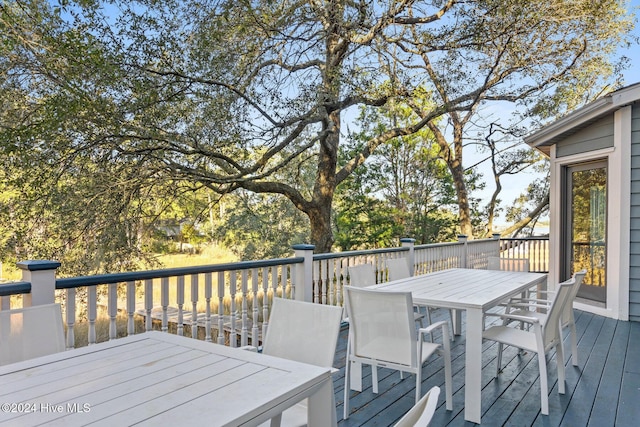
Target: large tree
246 94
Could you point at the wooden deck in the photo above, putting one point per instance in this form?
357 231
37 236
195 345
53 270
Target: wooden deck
604 390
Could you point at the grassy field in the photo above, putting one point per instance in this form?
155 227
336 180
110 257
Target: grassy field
211 254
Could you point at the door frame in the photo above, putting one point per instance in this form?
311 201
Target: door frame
566 262
618 160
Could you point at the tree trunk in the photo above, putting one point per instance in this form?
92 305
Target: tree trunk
464 211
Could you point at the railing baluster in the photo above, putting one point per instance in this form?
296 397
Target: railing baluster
164 302
131 307
265 300
148 304
208 283
92 313
233 336
71 316
331 287
284 279
220 338
255 314
321 290
112 308
194 306
180 302
244 332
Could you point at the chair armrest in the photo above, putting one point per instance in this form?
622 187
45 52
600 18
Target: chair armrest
442 324
539 300
527 305
548 299
514 317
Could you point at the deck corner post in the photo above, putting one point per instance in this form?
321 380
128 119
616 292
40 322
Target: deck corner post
462 238
408 242
496 237
304 272
42 276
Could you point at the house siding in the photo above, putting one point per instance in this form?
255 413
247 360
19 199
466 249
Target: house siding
634 250
594 137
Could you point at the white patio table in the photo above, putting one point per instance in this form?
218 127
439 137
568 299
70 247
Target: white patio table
474 291
156 379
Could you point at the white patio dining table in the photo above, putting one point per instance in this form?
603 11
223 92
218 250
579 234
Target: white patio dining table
156 378
475 291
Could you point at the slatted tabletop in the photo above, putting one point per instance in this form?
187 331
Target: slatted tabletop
159 379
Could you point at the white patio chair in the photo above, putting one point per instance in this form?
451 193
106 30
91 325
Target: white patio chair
422 412
538 307
362 275
543 338
30 332
304 332
508 264
382 333
397 269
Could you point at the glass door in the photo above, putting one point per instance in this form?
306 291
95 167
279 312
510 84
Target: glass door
586 237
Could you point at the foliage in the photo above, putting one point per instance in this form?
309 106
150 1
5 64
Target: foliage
403 191
260 226
118 109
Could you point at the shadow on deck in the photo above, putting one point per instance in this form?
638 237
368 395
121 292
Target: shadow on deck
604 390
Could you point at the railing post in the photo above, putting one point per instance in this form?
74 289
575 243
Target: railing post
496 237
303 290
462 238
408 242
42 276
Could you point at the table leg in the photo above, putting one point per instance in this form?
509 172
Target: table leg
473 367
321 411
456 318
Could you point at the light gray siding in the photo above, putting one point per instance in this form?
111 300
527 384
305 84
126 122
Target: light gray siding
634 273
596 136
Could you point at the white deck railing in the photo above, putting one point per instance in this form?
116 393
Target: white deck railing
223 303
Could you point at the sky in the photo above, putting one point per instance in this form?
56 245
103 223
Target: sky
514 186
632 75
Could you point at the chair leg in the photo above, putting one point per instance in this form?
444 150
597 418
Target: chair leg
448 383
374 378
544 398
347 385
574 344
276 421
560 363
418 383
428 312
499 365
451 320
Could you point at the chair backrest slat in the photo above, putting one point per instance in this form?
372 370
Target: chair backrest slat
421 413
568 309
552 333
362 275
30 332
398 268
303 331
382 325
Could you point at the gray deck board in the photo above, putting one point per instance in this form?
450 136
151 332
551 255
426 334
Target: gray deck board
603 390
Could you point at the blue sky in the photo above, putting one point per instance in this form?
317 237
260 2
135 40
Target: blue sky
513 186
632 75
